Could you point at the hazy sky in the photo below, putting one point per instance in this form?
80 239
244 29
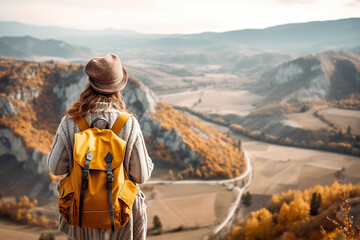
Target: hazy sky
174 16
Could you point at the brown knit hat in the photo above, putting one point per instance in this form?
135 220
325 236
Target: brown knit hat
106 74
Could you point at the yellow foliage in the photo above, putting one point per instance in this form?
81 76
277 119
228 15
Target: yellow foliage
292 213
260 226
289 215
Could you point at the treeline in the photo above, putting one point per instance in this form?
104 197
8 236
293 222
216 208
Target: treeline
206 117
337 140
19 210
297 215
219 155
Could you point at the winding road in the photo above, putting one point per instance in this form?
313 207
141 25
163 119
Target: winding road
248 173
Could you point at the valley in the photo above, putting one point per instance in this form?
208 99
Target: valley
221 113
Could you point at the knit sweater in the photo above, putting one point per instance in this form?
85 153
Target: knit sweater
137 163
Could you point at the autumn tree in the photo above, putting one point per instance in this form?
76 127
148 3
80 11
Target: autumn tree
291 214
171 175
260 225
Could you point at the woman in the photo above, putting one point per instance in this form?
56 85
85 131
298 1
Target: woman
101 98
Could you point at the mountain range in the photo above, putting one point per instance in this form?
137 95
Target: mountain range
299 38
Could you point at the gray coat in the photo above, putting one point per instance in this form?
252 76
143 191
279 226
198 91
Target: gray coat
137 164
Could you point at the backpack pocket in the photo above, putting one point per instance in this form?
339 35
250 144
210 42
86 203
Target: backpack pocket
66 202
127 197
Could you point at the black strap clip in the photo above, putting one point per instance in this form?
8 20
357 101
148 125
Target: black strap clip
85 175
110 178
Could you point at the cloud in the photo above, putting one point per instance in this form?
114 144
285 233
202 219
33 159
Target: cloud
353 3
177 16
296 1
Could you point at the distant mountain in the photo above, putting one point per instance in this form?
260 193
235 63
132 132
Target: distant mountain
329 75
27 46
17 29
355 49
106 39
295 37
299 38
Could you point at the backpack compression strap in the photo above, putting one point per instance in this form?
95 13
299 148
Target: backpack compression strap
84 181
120 122
110 178
81 122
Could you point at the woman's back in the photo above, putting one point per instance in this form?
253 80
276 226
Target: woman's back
137 164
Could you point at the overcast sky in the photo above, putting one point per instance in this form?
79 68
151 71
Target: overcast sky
174 16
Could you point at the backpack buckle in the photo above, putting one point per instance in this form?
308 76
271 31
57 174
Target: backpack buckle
109 176
85 174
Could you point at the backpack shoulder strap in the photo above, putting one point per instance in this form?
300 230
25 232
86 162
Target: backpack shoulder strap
81 122
120 122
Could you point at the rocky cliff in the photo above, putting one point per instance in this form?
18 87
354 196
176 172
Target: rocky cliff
329 75
33 97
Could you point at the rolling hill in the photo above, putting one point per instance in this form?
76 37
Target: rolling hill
21 47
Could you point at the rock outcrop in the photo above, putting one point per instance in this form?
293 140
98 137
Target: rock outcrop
329 75
142 102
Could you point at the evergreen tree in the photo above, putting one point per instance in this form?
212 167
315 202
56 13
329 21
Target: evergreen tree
340 134
157 224
246 199
315 203
349 131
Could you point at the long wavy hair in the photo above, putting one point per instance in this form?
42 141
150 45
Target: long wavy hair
89 98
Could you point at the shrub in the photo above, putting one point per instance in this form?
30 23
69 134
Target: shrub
47 236
157 225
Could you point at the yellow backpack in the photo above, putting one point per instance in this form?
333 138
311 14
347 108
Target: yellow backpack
98 192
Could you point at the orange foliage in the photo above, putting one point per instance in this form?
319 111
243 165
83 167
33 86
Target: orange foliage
38 119
20 212
260 225
340 146
237 128
295 213
351 103
219 156
289 215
